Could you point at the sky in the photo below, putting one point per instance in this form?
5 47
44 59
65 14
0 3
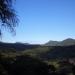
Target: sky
43 20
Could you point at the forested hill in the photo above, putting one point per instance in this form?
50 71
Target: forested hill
52 52
17 46
39 51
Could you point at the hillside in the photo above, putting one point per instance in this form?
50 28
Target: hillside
60 52
38 51
52 52
66 42
16 46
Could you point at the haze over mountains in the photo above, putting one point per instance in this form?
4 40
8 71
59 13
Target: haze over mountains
66 42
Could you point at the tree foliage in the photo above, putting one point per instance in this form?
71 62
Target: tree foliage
8 17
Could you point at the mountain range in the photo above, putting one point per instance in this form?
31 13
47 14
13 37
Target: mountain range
66 42
50 50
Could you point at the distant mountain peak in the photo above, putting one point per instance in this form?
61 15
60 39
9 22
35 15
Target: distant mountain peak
66 42
69 39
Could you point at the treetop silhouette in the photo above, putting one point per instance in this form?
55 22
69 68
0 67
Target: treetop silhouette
8 17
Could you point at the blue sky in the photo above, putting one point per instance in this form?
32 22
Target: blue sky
43 20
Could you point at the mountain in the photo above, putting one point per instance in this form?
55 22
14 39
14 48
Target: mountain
52 43
66 42
42 52
16 46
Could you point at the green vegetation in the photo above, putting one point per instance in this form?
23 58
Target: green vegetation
26 65
52 52
36 52
36 60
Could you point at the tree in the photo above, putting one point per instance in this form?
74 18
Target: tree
8 17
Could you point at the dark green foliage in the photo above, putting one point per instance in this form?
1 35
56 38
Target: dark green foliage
73 69
58 52
25 65
42 52
13 64
16 46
